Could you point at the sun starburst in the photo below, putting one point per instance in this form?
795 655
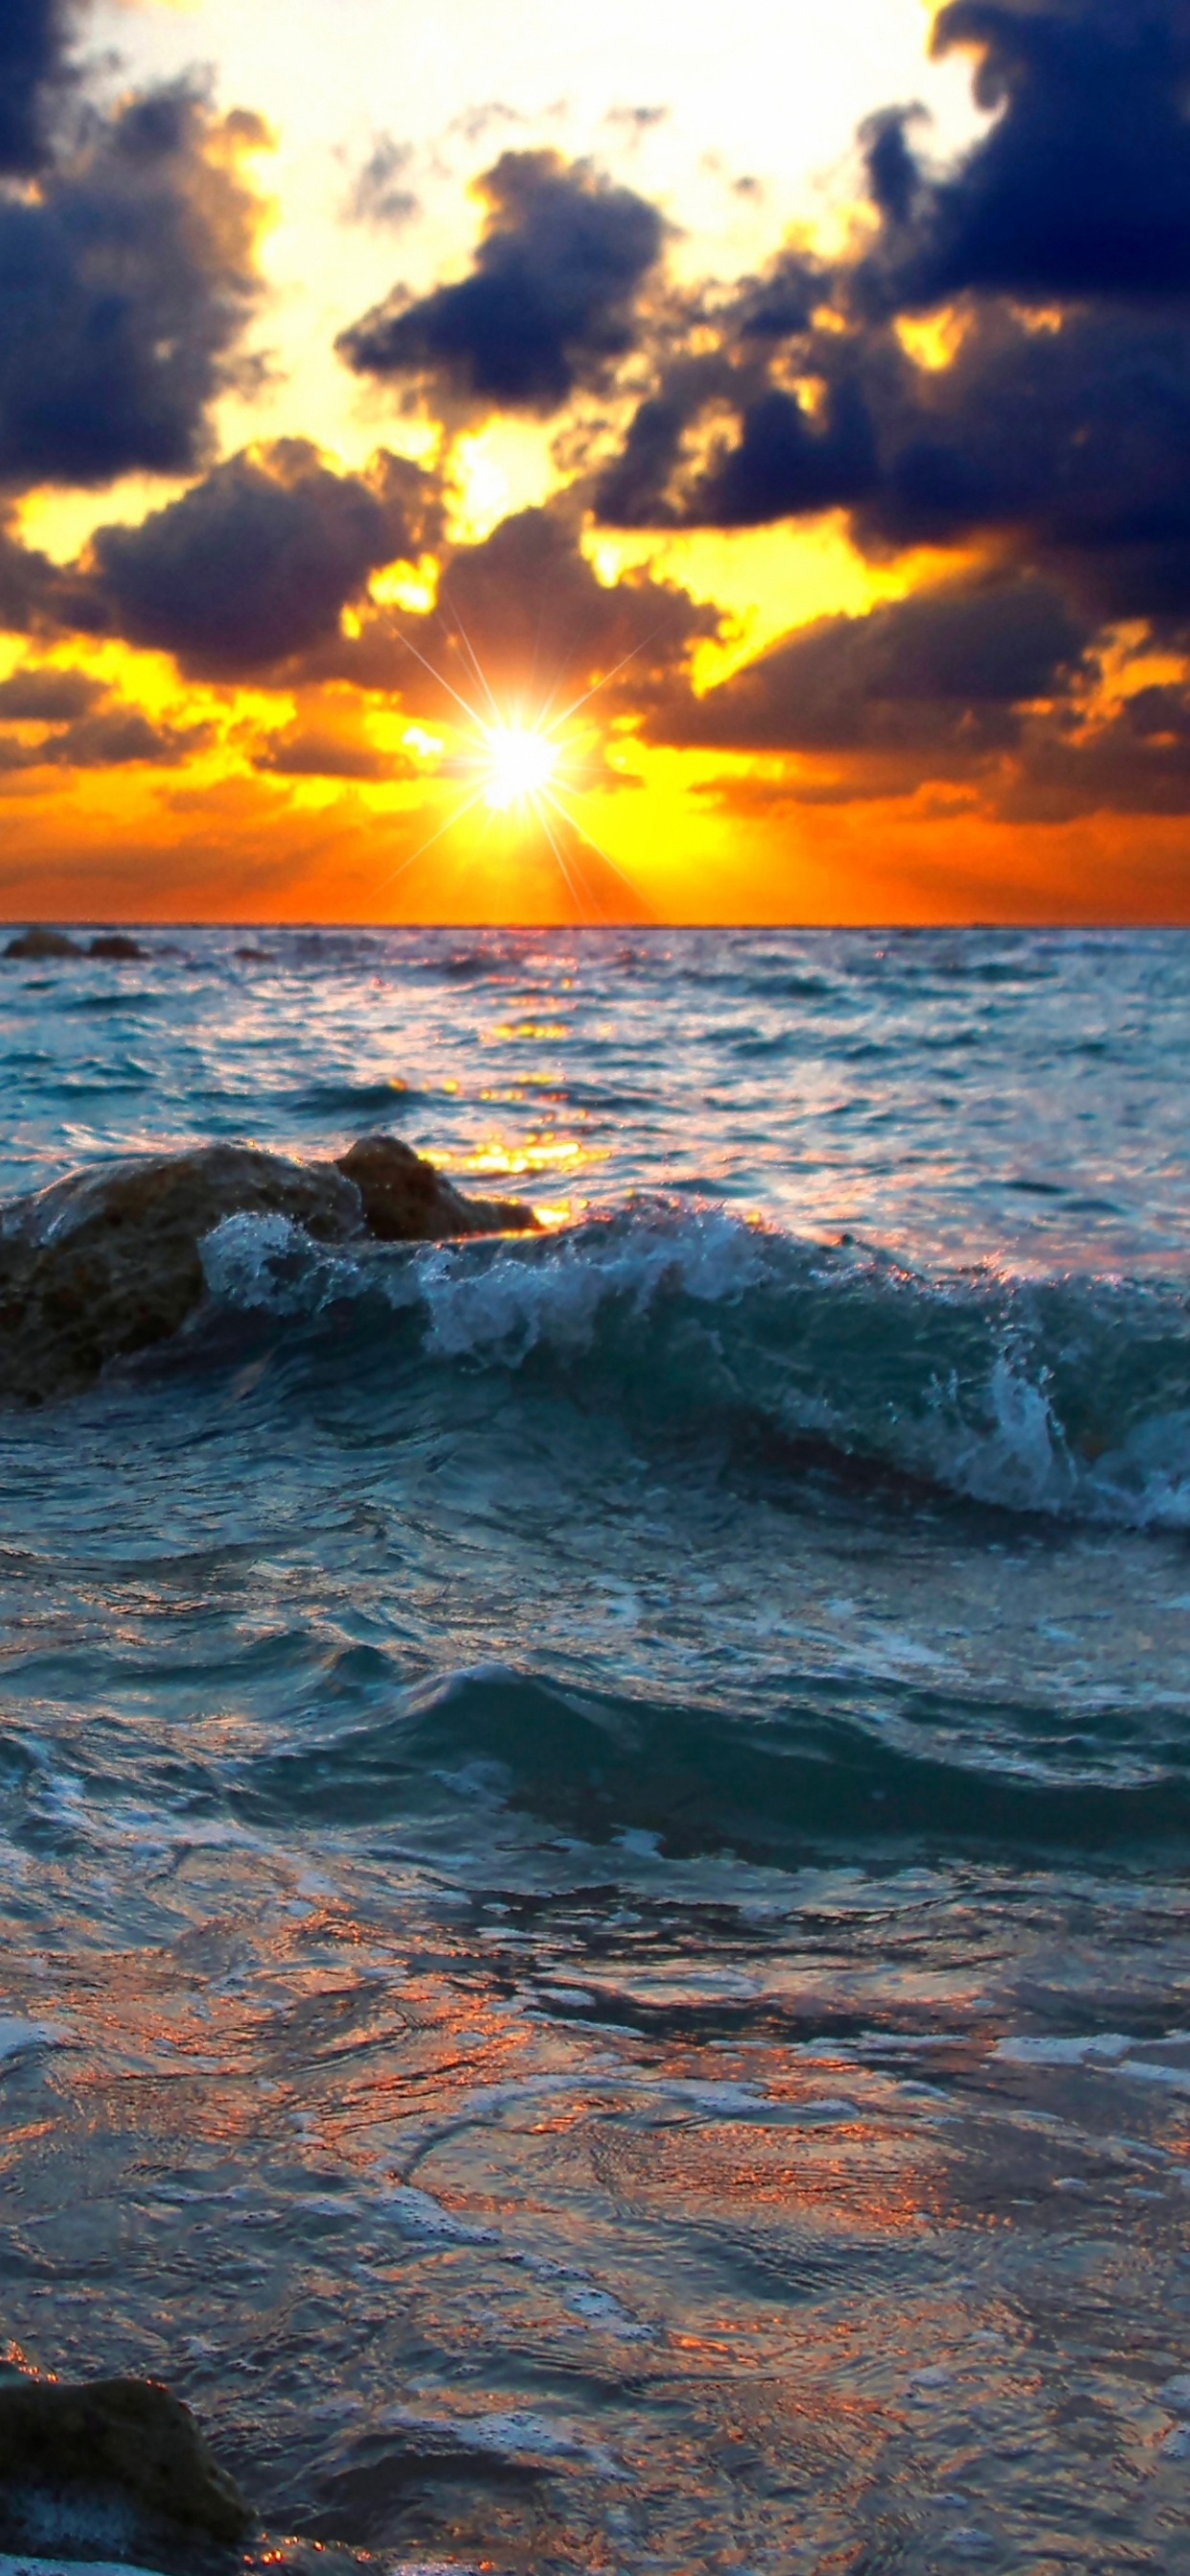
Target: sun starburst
527 765
520 762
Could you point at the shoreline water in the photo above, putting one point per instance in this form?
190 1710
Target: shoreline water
596 1825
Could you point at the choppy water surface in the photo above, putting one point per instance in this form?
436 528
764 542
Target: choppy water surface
595 1828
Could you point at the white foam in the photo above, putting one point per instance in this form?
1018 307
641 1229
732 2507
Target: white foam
515 1303
267 1262
416 2213
422 2215
1109 2045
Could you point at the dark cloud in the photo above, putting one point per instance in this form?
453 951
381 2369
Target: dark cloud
1080 188
28 582
1067 441
305 752
525 613
1133 760
1058 426
783 463
35 37
1072 440
946 672
253 566
549 302
988 686
380 194
85 727
48 696
124 285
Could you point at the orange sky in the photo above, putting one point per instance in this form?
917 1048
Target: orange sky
263 645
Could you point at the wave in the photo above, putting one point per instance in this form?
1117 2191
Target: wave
597 1767
1064 1397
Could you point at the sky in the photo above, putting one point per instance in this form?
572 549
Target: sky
645 463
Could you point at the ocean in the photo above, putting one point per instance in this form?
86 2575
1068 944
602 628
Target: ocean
596 1825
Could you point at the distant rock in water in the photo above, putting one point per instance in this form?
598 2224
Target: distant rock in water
115 943
38 943
128 2442
406 1200
107 1262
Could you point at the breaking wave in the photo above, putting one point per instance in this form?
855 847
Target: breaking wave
1067 1397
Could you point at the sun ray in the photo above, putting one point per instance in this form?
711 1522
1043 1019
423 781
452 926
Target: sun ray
560 857
606 676
440 676
597 846
419 853
472 655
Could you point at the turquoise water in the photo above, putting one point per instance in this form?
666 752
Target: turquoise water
595 1828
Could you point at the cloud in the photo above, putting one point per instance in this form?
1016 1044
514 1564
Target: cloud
125 283
782 463
379 194
252 567
48 696
943 674
1054 420
526 610
548 304
989 682
34 40
1081 187
302 751
1071 441
85 727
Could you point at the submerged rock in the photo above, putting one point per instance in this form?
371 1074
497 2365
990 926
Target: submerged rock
39 943
405 1200
115 943
128 2440
107 1262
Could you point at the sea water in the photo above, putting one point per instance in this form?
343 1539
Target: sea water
595 1827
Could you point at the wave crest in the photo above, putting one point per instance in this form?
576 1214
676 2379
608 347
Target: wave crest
1065 1397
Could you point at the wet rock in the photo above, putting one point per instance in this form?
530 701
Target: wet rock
405 1200
115 943
105 1263
128 2440
108 1262
39 944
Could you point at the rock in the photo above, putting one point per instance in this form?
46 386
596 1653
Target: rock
130 2437
38 943
406 1201
107 1262
115 943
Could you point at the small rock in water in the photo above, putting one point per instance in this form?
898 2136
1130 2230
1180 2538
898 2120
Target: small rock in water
407 1201
128 2440
115 943
107 1262
39 943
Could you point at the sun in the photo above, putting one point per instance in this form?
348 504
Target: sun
518 764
